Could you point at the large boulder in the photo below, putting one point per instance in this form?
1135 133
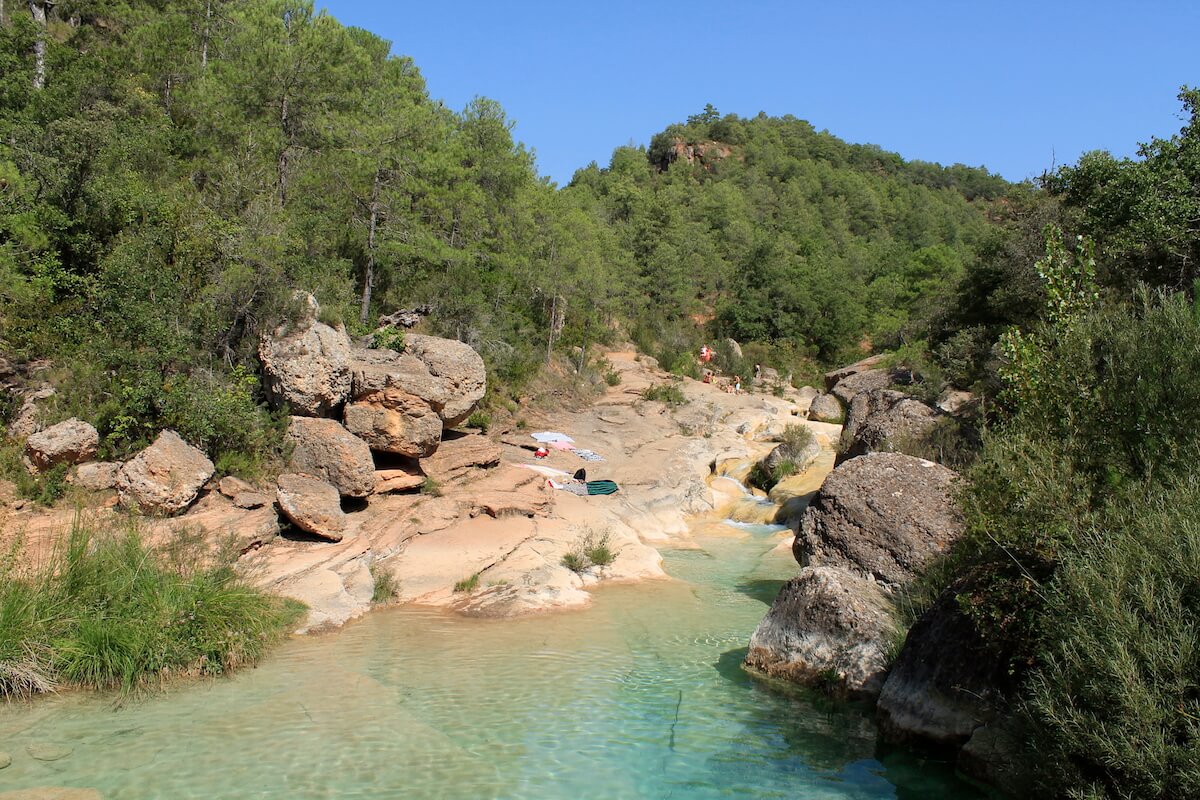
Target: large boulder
447 375
165 477
884 420
323 448
945 682
827 628
833 377
312 505
306 365
882 515
825 408
394 421
70 442
801 456
869 380
97 476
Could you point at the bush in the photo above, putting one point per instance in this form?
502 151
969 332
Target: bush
766 478
591 549
667 393
387 588
110 612
45 488
479 420
467 584
390 338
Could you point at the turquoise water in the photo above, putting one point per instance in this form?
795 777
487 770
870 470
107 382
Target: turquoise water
639 696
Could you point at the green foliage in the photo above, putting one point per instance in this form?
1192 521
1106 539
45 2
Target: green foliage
479 420
431 487
467 584
44 488
109 612
593 548
765 478
386 588
667 393
796 438
388 339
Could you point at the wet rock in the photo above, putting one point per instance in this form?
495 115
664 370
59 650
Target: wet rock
5 759
996 755
306 365
883 420
882 515
48 751
827 628
325 449
51 793
97 476
458 456
312 505
165 477
825 408
944 684
70 442
394 421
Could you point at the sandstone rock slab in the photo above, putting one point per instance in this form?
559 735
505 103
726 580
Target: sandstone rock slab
456 457
448 375
165 477
97 476
396 480
325 449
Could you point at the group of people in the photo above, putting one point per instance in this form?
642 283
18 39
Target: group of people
706 355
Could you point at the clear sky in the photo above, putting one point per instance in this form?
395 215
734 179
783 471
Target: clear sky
1009 84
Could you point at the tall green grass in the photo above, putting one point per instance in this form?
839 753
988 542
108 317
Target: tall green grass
107 611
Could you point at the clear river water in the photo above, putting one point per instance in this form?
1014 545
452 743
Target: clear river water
639 696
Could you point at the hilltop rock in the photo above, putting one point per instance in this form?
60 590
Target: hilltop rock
323 448
312 505
165 477
306 365
70 442
394 421
827 628
882 515
944 684
883 420
825 408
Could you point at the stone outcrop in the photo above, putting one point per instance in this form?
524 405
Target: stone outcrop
801 457
825 408
70 442
27 421
306 365
165 477
97 476
833 377
943 685
868 380
312 505
460 455
394 421
829 628
883 420
956 402
396 480
446 375
882 515
323 448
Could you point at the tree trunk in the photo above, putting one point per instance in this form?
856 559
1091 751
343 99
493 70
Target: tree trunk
369 278
283 153
38 9
204 38
550 338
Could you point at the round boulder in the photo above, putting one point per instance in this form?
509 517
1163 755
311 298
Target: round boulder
165 477
70 442
306 365
312 505
885 420
322 447
825 408
394 421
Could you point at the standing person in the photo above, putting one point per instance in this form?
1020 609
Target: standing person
758 372
737 384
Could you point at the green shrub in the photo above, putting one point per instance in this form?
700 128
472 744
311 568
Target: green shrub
387 588
431 487
766 479
796 438
479 420
110 612
612 377
667 393
591 549
390 338
576 562
467 584
45 488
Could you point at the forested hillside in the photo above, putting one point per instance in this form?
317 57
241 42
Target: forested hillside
173 171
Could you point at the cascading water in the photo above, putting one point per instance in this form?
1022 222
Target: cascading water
639 696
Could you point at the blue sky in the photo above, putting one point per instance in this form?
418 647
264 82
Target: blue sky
1009 84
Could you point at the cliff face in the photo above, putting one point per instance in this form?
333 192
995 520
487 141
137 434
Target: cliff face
706 153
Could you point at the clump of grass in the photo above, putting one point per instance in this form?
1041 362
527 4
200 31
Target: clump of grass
591 549
110 612
45 488
666 393
612 377
765 478
468 584
390 338
431 487
480 421
387 588
796 437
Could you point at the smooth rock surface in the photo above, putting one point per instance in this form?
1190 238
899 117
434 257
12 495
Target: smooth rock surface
97 476
312 505
397 480
325 449
165 477
393 421
306 365
827 628
51 793
458 456
882 515
70 442
883 420
826 408
48 751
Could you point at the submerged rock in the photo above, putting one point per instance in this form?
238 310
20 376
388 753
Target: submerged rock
882 515
165 477
70 442
48 751
322 447
827 628
306 365
883 420
312 505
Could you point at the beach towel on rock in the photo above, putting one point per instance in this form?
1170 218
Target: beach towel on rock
588 455
545 437
601 487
